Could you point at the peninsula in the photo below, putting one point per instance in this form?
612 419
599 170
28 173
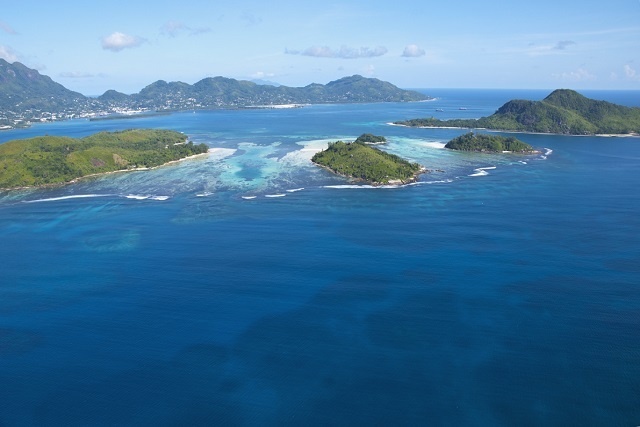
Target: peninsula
489 144
365 163
562 112
54 160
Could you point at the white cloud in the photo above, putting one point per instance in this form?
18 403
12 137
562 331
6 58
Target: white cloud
549 49
8 54
175 28
118 41
579 75
345 52
7 28
370 70
261 75
563 44
413 51
75 75
172 28
250 19
631 73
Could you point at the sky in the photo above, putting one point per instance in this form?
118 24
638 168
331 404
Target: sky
91 47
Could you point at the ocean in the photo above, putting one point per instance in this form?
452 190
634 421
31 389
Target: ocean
250 287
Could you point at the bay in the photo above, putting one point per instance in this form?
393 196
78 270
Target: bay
501 291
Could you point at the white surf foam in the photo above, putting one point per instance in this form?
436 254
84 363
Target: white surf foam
365 186
205 194
75 196
482 171
145 197
221 153
434 144
348 186
442 181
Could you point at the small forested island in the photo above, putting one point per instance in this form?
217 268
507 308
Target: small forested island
56 159
562 112
369 138
488 144
363 162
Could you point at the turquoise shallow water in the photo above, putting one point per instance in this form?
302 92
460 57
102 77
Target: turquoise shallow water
499 296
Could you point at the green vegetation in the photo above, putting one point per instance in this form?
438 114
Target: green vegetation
368 138
488 144
563 111
54 159
360 161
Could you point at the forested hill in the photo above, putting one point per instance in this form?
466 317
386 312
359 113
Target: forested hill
488 144
221 92
563 111
23 89
53 159
363 162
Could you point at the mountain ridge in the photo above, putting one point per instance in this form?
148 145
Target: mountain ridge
26 96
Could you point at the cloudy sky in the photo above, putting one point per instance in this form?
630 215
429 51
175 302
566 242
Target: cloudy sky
124 45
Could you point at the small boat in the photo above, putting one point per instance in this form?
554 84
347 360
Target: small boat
462 108
439 109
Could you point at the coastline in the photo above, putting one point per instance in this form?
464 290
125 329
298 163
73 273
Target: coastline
603 135
393 182
93 175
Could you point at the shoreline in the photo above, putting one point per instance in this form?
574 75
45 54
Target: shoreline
392 182
601 135
93 175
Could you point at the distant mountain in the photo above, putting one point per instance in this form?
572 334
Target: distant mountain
265 82
26 95
113 96
563 111
25 89
221 92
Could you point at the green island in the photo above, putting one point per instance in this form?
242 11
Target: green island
562 112
369 138
363 162
49 160
488 144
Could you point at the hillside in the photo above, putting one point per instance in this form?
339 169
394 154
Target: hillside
53 159
25 89
563 111
221 92
360 161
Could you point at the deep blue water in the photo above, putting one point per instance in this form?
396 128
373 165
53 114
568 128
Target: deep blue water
502 296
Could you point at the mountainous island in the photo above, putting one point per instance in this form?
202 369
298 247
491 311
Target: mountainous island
27 96
488 144
562 112
53 159
363 162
